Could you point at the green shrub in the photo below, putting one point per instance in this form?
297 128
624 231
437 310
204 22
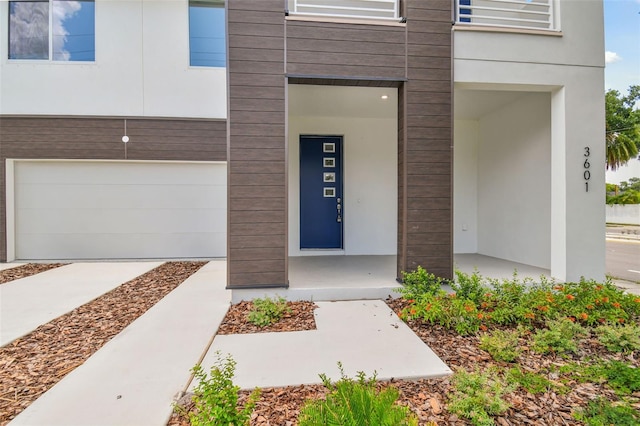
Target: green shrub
420 282
602 412
479 395
501 345
356 403
268 311
216 397
559 337
622 338
446 310
478 303
532 382
469 287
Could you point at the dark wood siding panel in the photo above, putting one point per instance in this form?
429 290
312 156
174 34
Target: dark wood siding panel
257 247
101 139
427 146
345 50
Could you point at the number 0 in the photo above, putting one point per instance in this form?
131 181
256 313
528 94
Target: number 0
587 175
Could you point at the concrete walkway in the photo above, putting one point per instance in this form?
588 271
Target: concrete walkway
30 302
363 335
4 266
132 380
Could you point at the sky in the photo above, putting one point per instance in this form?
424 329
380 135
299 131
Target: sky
622 45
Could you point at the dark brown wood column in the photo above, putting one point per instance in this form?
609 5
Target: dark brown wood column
257 190
425 141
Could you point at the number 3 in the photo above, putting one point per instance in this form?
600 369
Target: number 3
586 151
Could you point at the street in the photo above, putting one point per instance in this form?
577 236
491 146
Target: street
623 259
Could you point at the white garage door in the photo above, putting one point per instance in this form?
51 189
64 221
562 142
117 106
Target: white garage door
118 210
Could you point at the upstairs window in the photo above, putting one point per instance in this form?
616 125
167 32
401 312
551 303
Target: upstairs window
207 47
59 30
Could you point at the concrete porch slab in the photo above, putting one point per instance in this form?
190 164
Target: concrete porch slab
364 335
326 278
32 301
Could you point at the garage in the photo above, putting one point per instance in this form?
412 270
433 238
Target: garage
116 210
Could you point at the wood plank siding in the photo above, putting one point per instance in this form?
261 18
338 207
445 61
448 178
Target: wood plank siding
257 228
426 143
267 51
365 52
101 139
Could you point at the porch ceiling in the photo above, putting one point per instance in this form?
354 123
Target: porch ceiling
474 104
342 101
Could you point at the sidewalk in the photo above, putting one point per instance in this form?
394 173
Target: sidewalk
623 232
30 302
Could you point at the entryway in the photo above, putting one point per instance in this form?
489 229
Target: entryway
321 192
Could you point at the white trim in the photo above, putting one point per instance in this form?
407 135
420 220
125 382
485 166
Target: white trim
10 199
337 20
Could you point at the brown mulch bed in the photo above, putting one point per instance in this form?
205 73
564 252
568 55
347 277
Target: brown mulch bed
299 318
32 364
428 398
26 270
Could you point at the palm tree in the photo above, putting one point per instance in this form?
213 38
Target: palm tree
620 148
623 127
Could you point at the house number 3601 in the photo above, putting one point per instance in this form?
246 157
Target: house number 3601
587 173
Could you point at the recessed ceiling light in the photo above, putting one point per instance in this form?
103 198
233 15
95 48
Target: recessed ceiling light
385 97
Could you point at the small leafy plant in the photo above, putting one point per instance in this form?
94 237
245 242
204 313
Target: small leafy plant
469 287
216 397
356 403
531 382
623 378
602 412
420 282
621 338
559 337
501 345
478 396
268 311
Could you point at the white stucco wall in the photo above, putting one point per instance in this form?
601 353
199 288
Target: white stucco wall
370 181
628 214
141 69
570 68
580 42
465 186
514 181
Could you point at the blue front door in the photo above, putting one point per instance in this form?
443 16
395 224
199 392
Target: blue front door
321 201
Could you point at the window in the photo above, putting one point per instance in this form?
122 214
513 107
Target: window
207 46
61 30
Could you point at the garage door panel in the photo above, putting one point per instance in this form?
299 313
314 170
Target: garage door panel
120 221
108 210
131 196
89 172
127 246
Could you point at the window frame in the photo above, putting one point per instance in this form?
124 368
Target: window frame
218 4
50 35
